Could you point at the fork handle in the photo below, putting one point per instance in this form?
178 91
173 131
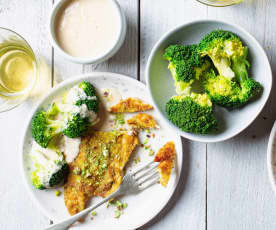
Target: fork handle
65 224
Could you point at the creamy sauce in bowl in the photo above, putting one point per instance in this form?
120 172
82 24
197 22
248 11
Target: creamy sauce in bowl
87 28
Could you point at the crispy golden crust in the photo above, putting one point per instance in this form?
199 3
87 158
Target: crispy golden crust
166 153
74 195
130 105
165 156
165 169
95 172
142 121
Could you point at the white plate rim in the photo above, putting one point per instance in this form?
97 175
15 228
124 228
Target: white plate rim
60 86
271 141
182 26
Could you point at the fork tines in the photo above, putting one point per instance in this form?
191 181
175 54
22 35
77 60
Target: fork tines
147 175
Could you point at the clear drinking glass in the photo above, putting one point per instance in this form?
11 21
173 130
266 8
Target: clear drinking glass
220 2
18 69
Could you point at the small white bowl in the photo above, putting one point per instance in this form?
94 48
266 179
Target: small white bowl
95 60
271 157
161 86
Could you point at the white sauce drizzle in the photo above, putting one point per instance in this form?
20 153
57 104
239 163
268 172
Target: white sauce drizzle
110 97
71 148
45 157
75 94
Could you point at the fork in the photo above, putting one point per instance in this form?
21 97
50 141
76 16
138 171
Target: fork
133 182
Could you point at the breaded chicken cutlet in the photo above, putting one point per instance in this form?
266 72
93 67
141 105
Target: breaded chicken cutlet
142 121
130 105
98 168
165 156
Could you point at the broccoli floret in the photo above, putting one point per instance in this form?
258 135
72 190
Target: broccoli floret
45 127
230 93
232 88
222 91
59 176
76 126
192 113
81 106
37 183
225 49
186 66
50 168
249 89
91 100
77 112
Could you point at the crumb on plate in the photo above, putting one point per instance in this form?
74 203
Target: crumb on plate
165 156
130 105
58 193
142 121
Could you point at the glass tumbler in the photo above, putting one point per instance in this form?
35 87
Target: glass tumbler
220 2
18 69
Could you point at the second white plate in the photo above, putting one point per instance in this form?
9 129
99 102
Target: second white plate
141 207
271 157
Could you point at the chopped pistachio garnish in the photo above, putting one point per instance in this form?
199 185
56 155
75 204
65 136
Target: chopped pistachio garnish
115 132
137 160
77 171
147 147
119 207
94 213
104 165
124 205
147 131
117 214
87 173
105 151
119 119
146 141
58 193
111 202
119 204
151 153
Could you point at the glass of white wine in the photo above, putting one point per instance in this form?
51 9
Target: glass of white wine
220 2
18 69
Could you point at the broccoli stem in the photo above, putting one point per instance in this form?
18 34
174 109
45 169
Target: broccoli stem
240 71
223 67
240 66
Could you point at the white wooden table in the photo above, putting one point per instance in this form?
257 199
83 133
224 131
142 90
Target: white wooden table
223 186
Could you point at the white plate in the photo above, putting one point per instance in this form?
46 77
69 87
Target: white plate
141 207
271 157
161 85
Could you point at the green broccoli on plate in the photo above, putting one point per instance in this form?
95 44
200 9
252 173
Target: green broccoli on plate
50 168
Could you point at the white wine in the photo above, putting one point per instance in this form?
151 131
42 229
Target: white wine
220 2
17 68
